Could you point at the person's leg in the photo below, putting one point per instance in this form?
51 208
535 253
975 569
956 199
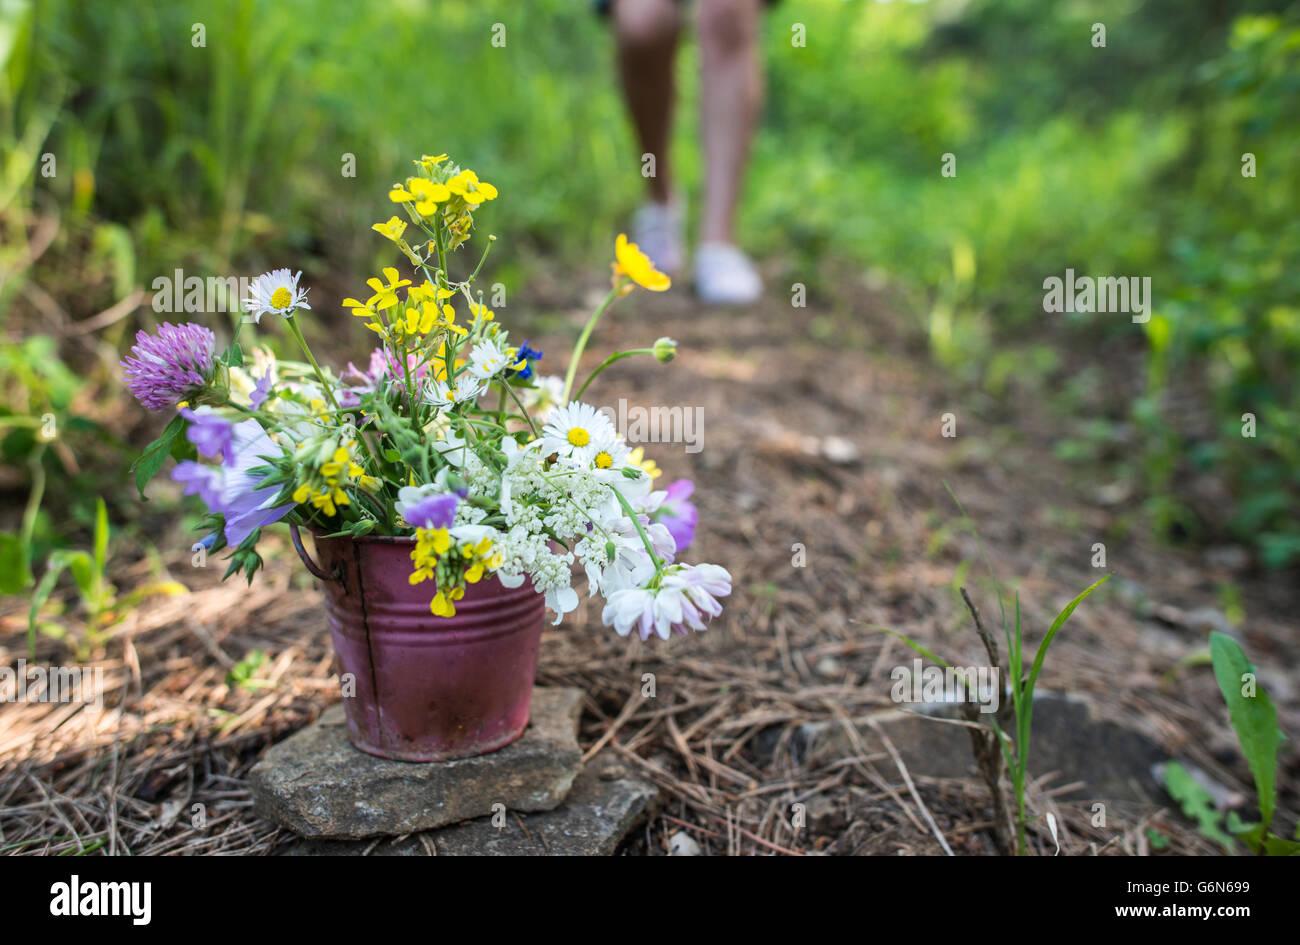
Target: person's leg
646 32
732 85
732 88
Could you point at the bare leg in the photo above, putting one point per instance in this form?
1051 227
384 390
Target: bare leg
646 32
732 92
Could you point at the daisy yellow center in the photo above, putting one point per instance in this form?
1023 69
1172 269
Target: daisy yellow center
281 298
604 460
579 437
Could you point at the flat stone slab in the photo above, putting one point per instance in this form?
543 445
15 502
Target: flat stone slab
606 804
1071 735
317 785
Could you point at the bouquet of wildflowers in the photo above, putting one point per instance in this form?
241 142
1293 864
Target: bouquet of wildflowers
448 434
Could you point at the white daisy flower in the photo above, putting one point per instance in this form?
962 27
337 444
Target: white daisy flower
574 428
488 359
444 395
605 455
275 292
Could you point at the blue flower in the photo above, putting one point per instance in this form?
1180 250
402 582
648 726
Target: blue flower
211 434
230 489
527 355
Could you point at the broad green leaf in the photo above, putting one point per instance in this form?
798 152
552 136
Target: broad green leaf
15 568
1196 803
1280 846
1253 717
155 454
80 564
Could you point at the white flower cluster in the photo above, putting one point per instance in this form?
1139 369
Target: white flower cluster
571 496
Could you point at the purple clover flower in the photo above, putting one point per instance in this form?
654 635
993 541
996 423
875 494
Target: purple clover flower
171 366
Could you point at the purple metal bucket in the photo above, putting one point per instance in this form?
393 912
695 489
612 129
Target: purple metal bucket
428 688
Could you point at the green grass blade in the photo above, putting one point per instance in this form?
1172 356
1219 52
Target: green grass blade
912 643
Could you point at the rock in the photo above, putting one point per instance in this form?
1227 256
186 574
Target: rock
838 450
1071 736
317 785
830 668
682 843
593 820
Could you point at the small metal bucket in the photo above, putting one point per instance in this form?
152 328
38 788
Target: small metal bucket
428 688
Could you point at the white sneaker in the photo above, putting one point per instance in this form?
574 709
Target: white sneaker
657 229
725 276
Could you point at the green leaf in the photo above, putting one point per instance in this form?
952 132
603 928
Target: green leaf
1280 846
1253 717
1196 803
1025 696
15 567
155 454
81 566
1252 834
235 356
1057 624
58 563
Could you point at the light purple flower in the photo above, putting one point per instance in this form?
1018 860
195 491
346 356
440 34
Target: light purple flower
171 366
685 600
360 382
211 434
231 489
434 511
425 507
260 390
678 515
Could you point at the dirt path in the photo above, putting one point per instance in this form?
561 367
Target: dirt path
831 446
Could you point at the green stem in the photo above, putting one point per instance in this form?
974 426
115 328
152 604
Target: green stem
522 409
645 539
582 342
296 330
616 356
33 499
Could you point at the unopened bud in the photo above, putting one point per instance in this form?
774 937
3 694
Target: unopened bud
665 350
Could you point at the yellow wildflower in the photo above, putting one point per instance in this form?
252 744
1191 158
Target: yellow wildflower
648 466
385 295
467 185
636 265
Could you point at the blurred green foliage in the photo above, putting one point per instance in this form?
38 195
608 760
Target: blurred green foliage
214 135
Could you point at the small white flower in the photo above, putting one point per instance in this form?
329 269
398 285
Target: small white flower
452 448
488 359
444 395
275 292
562 600
575 427
542 400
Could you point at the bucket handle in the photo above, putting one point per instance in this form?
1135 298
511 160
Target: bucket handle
312 566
